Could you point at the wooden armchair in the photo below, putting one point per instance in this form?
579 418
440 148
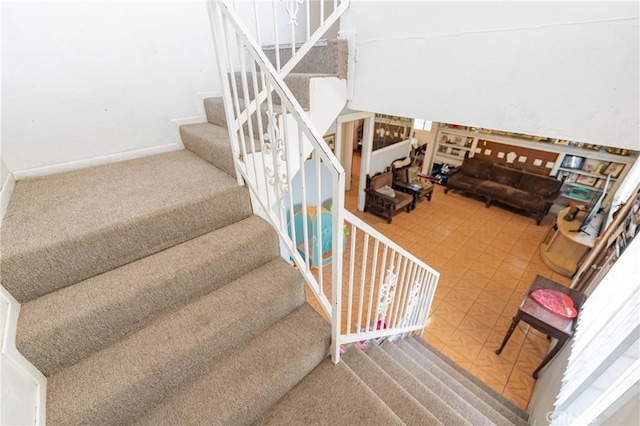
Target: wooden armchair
382 200
408 179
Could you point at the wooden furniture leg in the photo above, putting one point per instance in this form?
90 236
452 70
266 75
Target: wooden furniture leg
514 324
559 344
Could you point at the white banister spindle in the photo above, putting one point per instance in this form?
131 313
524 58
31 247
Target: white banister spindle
256 17
275 34
318 167
352 265
307 23
363 278
305 211
247 102
372 282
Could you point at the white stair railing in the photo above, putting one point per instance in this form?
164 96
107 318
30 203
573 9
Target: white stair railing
302 23
297 184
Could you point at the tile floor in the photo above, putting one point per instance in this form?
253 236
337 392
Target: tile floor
487 258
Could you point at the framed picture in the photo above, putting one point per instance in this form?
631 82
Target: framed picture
573 162
614 169
592 147
330 140
586 180
594 166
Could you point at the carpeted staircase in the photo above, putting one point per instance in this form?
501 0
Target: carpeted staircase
152 295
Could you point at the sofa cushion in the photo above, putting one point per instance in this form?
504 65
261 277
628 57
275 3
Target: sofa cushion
495 190
464 182
528 201
477 168
512 196
505 175
540 185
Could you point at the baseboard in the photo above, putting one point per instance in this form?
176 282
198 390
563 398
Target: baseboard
5 194
209 94
23 387
188 120
96 161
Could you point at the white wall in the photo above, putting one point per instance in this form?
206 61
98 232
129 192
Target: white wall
83 80
382 158
559 69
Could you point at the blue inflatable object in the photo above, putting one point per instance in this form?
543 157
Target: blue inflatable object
314 222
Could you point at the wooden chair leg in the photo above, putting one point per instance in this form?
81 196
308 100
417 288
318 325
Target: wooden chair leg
514 323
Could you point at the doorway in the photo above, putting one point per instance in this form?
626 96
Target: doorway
354 133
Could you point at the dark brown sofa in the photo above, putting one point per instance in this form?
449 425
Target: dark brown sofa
517 188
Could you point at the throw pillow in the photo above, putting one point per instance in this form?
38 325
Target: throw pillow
387 190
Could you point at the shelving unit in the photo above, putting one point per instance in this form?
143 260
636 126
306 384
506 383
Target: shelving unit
453 146
540 155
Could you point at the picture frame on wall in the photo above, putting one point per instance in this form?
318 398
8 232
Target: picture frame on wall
330 140
614 169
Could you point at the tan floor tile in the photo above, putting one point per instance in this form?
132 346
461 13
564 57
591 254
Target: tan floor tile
492 364
521 383
482 313
453 315
432 340
440 328
465 344
459 300
492 302
511 396
475 328
509 353
457 357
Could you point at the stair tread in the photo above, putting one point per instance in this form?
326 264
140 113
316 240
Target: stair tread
428 398
464 377
474 409
240 387
458 383
330 395
109 306
119 382
211 143
455 401
405 406
329 56
133 208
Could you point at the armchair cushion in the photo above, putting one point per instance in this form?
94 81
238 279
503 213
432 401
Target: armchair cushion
387 190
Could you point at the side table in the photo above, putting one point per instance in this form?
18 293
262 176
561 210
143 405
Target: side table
543 320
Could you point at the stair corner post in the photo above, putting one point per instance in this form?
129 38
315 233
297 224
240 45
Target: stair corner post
338 235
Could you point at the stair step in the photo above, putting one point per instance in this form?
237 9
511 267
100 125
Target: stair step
211 143
239 388
465 402
478 398
298 83
90 221
329 395
427 397
89 316
119 383
405 406
214 108
478 387
327 56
